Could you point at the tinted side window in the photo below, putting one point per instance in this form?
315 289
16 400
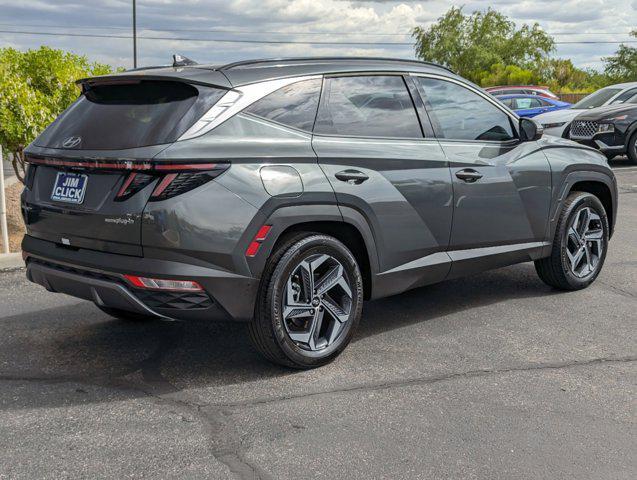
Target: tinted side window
625 96
367 106
293 105
462 114
524 103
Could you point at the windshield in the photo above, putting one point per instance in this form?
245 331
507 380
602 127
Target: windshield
597 99
129 114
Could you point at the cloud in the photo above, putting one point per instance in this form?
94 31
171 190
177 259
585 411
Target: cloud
365 22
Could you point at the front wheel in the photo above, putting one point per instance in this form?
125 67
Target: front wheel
579 246
310 302
632 149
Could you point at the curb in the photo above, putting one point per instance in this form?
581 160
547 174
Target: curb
11 261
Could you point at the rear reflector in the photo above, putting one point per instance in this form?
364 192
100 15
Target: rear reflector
163 284
253 248
261 235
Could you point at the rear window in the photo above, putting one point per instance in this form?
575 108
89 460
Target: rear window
129 114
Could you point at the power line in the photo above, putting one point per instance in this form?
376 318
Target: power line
266 42
266 32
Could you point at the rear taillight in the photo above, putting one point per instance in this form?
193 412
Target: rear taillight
175 184
163 284
173 177
133 183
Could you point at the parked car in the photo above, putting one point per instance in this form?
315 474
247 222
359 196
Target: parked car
285 192
611 129
522 90
531 105
558 123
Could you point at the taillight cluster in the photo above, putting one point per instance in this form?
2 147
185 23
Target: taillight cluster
174 177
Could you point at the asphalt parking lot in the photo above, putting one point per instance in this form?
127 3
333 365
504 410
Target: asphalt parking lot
494 376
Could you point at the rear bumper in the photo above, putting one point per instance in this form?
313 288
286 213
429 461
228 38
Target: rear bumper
98 277
102 292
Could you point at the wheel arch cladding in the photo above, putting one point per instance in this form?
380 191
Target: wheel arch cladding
601 191
344 232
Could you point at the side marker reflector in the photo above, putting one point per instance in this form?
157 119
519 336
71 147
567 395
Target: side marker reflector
261 235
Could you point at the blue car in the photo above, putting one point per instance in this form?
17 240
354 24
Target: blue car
531 105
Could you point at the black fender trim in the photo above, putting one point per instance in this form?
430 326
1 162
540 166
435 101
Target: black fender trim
567 184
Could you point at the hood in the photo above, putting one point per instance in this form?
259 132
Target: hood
563 115
608 111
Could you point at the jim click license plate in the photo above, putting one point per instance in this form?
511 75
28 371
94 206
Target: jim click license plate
69 187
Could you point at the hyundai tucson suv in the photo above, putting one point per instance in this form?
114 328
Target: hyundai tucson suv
283 193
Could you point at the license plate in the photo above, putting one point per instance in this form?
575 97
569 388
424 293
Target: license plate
69 187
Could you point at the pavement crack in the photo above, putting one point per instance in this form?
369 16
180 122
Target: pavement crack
617 289
425 380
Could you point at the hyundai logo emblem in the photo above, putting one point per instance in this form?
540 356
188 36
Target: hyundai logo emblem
72 142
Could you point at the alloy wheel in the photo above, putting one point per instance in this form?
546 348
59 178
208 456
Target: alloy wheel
585 242
317 302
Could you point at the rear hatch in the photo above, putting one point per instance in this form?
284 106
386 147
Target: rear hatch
91 172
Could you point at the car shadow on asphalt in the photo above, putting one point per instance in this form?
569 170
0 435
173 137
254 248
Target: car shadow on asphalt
78 344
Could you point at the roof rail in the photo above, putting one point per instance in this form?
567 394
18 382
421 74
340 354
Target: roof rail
149 67
303 59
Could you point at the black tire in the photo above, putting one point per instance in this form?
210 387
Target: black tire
556 270
125 315
268 330
632 149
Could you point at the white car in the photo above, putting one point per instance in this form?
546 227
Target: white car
556 123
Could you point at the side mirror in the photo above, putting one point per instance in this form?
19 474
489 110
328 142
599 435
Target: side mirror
530 130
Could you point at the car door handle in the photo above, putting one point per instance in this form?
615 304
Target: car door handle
353 177
469 175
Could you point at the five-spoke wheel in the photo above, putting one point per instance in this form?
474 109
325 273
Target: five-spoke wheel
585 242
310 301
317 302
579 245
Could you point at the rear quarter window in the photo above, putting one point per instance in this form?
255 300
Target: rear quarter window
129 114
294 105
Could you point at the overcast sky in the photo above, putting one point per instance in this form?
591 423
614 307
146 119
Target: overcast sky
363 22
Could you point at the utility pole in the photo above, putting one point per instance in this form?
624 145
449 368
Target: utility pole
134 35
3 209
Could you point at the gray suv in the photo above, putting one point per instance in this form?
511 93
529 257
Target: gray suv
285 192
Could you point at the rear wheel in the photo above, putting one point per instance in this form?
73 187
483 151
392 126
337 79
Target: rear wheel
579 246
310 302
125 315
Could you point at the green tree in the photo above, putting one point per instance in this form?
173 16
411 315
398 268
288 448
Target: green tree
622 67
35 87
500 74
472 44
